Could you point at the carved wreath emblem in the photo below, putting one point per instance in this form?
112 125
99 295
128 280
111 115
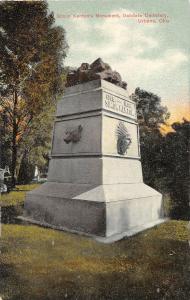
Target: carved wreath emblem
73 134
123 138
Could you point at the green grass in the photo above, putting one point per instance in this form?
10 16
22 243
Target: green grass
17 196
39 263
43 264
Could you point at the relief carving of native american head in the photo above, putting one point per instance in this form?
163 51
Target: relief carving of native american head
123 138
73 134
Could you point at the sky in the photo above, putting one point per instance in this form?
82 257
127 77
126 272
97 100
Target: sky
146 41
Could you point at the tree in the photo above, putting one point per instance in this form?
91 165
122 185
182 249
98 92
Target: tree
177 161
32 50
151 115
165 158
35 148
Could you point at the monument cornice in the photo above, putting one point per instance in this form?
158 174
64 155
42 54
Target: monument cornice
93 113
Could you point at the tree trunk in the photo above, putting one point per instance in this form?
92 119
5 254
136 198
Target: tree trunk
18 165
14 135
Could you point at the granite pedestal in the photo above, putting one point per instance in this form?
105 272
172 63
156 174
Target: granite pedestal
93 188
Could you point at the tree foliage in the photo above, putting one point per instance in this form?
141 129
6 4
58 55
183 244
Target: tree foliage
176 159
32 50
151 114
165 158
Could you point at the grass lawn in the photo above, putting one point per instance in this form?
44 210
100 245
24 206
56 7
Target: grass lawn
16 197
43 264
12 203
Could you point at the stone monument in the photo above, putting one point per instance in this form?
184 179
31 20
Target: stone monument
95 185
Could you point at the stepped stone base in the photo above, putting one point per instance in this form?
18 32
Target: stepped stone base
95 184
107 212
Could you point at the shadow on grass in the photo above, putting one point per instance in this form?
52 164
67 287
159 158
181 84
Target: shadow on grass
10 213
8 280
22 190
159 270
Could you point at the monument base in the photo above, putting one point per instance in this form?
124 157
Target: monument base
107 212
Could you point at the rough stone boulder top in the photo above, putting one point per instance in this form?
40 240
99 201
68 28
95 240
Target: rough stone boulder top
97 70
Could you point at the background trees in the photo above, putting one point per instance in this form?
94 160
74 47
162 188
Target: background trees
176 158
165 158
151 115
32 50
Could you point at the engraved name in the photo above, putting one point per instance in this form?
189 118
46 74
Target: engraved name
119 105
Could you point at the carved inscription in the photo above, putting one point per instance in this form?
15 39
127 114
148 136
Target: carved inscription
119 105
